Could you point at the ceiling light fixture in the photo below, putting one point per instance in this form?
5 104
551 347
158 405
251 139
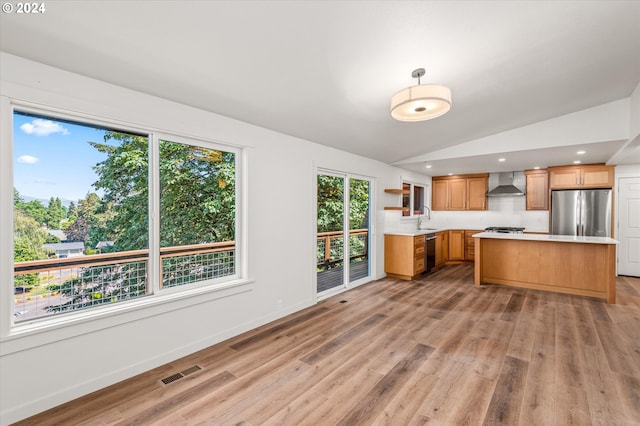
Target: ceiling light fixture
428 166
420 102
581 152
502 159
577 162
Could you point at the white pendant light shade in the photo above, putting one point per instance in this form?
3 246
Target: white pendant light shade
420 102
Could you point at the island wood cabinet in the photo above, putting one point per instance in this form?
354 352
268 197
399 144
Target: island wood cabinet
537 189
403 256
470 245
456 245
461 192
577 177
442 247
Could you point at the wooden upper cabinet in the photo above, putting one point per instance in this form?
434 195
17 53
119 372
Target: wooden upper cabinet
477 193
457 194
537 189
462 192
439 195
598 176
587 176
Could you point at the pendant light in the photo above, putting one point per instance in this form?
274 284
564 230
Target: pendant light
420 102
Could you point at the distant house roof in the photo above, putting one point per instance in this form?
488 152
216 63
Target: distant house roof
65 246
103 244
57 233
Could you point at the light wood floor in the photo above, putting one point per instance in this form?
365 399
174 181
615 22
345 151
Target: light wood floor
437 351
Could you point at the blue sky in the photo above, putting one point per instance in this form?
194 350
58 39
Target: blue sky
53 158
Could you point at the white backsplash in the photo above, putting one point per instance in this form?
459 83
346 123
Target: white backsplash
503 211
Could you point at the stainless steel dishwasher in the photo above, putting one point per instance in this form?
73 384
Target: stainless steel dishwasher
429 252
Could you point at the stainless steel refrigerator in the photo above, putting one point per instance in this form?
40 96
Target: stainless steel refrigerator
581 212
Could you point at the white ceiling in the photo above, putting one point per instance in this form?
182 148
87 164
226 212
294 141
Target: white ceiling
325 70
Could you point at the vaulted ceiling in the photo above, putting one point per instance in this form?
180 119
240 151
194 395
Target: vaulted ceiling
325 70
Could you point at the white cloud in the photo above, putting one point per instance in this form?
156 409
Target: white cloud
40 127
28 159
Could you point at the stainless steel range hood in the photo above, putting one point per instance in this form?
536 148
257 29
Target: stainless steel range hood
505 187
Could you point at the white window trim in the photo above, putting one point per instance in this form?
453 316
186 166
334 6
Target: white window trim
27 334
426 195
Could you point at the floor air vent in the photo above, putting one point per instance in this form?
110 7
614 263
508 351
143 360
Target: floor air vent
172 378
343 301
181 374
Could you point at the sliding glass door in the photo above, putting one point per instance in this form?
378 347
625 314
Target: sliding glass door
343 206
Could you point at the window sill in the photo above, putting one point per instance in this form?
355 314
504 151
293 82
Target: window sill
64 326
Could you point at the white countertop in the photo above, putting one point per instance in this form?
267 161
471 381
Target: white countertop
546 237
423 231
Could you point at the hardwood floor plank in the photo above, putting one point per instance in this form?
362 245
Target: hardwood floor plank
276 330
521 343
160 411
629 391
506 401
615 348
572 404
377 398
439 406
342 340
539 392
406 403
514 306
605 408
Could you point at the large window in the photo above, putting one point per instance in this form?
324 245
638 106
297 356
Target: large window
82 198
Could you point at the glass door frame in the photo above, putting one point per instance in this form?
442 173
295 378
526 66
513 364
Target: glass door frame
346 283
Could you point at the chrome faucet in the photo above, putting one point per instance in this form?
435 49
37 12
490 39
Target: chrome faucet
420 217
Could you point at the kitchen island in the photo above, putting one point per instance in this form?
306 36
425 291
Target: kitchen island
565 264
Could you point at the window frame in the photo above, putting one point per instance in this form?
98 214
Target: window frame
73 323
411 196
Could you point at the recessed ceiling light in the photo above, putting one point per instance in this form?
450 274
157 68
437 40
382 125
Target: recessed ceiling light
581 152
577 162
428 166
450 174
502 159
536 168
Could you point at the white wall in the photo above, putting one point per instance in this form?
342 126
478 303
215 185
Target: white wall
42 369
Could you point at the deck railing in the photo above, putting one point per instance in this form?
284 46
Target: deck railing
47 287
59 285
330 247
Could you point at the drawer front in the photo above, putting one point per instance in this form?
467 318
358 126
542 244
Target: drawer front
418 266
419 251
418 240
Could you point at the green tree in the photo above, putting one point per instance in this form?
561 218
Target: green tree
330 203
197 195
197 192
123 176
54 213
28 238
90 225
34 209
17 198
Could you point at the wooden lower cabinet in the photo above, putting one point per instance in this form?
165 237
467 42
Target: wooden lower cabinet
470 244
442 247
403 256
456 245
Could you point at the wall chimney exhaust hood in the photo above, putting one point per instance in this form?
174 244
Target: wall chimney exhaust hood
505 187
